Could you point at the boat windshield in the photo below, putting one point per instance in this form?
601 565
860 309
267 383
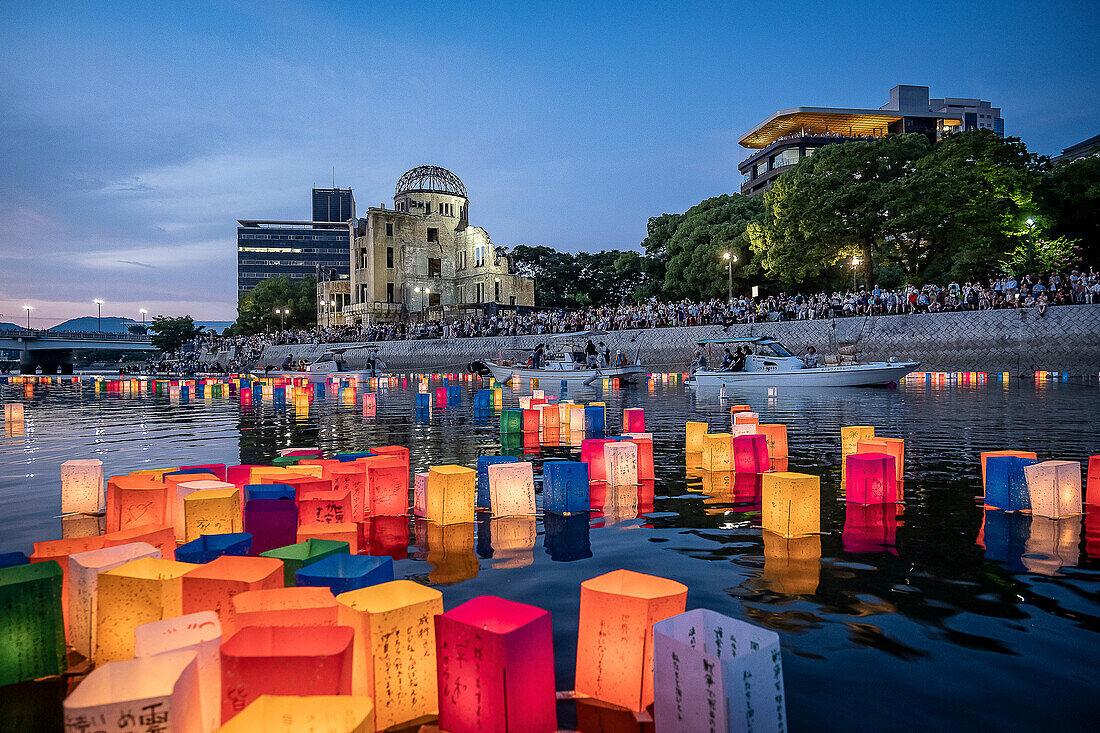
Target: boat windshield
774 348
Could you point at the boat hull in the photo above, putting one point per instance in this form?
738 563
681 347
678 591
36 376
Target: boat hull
860 375
318 377
575 376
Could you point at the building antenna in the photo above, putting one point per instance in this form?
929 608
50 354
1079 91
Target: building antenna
334 176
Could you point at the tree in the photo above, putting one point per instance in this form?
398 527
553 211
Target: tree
256 308
555 273
1070 195
170 333
1037 254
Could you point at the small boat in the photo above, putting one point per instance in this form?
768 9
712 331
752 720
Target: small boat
565 362
332 364
771 365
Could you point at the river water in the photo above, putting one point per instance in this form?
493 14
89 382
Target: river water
923 620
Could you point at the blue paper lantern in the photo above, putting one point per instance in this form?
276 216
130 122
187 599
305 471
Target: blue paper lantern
349 457
342 572
423 400
594 418
483 463
270 491
454 394
565 487
210 546
1005 487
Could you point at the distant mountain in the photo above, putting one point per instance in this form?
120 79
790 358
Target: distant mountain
218 326
111 324
6 326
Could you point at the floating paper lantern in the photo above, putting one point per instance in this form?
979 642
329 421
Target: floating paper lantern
351 477
511 488
511 421
746 418
13 412
218 469
634 420
1092 485
295 557
60 551
869 478
791 504
160 536
133 501
180 491
348 532
82 486
592 453
792 565
644 441
712 672
450 494
284 660
324 507
271 522
986 455
199 633
495 667
576 418
871 527
11 559
159 692
565 486
734 409
595 418
450 552
212 511
387 486
484 500
304 606
32 622
292 714
1054 488
420 488
615 634
1005 484
717 452
566 538
750 453
621 460
531 420
213 585
83 576
394 656
139 592
851 435
270 491
776 436
891 446
548 417
342 572
209 546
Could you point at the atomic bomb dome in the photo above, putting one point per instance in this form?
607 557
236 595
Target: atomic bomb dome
430 179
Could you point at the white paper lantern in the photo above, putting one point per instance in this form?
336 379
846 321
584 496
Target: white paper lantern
1054 488
511 489
621 461
82 486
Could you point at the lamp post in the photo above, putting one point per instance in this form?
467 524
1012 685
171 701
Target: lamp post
99 304
142 311
28 308
423 296
855 264
730 259
281 312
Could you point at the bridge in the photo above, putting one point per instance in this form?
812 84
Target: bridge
52 351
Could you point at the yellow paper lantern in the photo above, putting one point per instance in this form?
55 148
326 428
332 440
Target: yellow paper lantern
695 434
791 504
82 486
184 489
83 576
298 713
451 492
212 511
511 489
199 633
139 592
718 452
394 654
13 412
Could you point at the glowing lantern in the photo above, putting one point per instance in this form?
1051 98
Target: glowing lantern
615 634
621 461
394 656
450 494
851 435
160 692
565 486
199 633
511 421
644 441
133 501
450 552
869 478
295 557
717 452
531 420
1005 484
792 566
549 417
986 455
342 572
337 531
890 446
351 477
1054 488
746 418
511 488
160 536
420 488
180 492
284 660
82 486
776 435
240 475
1092 486
750 453
139 592
734 409
791 504
576 418
324 507
871 527
13 412
271 522
592 453
316 713
285 607
84 571
32 622
496 662
387 486
484 500
212 511
211 587
634 420
712 672
209 546
595 417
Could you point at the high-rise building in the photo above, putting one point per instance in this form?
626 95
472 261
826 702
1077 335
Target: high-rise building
789 135
320 247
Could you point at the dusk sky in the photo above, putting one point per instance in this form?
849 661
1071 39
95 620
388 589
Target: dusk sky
132 136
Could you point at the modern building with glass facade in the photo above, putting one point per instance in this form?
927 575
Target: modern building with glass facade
789 135
298 249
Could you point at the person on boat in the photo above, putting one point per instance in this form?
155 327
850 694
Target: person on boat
700 362
606 354
536 358
590 353
738 364
727 362
811 360
287 363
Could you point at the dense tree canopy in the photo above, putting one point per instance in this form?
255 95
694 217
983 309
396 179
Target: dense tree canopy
256 308
1071 204
575 279
170 333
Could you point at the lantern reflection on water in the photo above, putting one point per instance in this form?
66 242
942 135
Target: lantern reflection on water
870 527
450 551
512 540
792 565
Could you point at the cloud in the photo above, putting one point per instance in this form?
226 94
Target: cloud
137 264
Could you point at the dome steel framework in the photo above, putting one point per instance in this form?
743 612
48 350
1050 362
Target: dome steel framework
430 178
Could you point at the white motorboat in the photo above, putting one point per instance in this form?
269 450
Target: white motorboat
565 362
332 364
770 364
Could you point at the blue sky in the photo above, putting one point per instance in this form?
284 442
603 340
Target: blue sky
133 135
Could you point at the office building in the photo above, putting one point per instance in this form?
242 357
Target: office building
789 135
333 204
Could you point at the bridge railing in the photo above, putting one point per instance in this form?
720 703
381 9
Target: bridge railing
39 333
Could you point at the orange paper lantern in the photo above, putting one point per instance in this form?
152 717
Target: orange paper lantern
305 606
336 531
450 494
211 587
133 501
776 435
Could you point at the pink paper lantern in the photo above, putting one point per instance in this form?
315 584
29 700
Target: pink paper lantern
592 454
870 478
750 453
634 420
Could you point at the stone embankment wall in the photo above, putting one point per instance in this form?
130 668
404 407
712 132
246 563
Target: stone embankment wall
1066 338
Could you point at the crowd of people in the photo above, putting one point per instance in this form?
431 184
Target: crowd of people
1030 291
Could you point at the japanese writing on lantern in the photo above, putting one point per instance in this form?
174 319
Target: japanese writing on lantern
151 718
676 686
712 693
330 513
777 672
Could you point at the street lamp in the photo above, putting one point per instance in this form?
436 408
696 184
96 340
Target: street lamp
730 259
281 312
142 311
424 294
99 304
855 264
28 308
